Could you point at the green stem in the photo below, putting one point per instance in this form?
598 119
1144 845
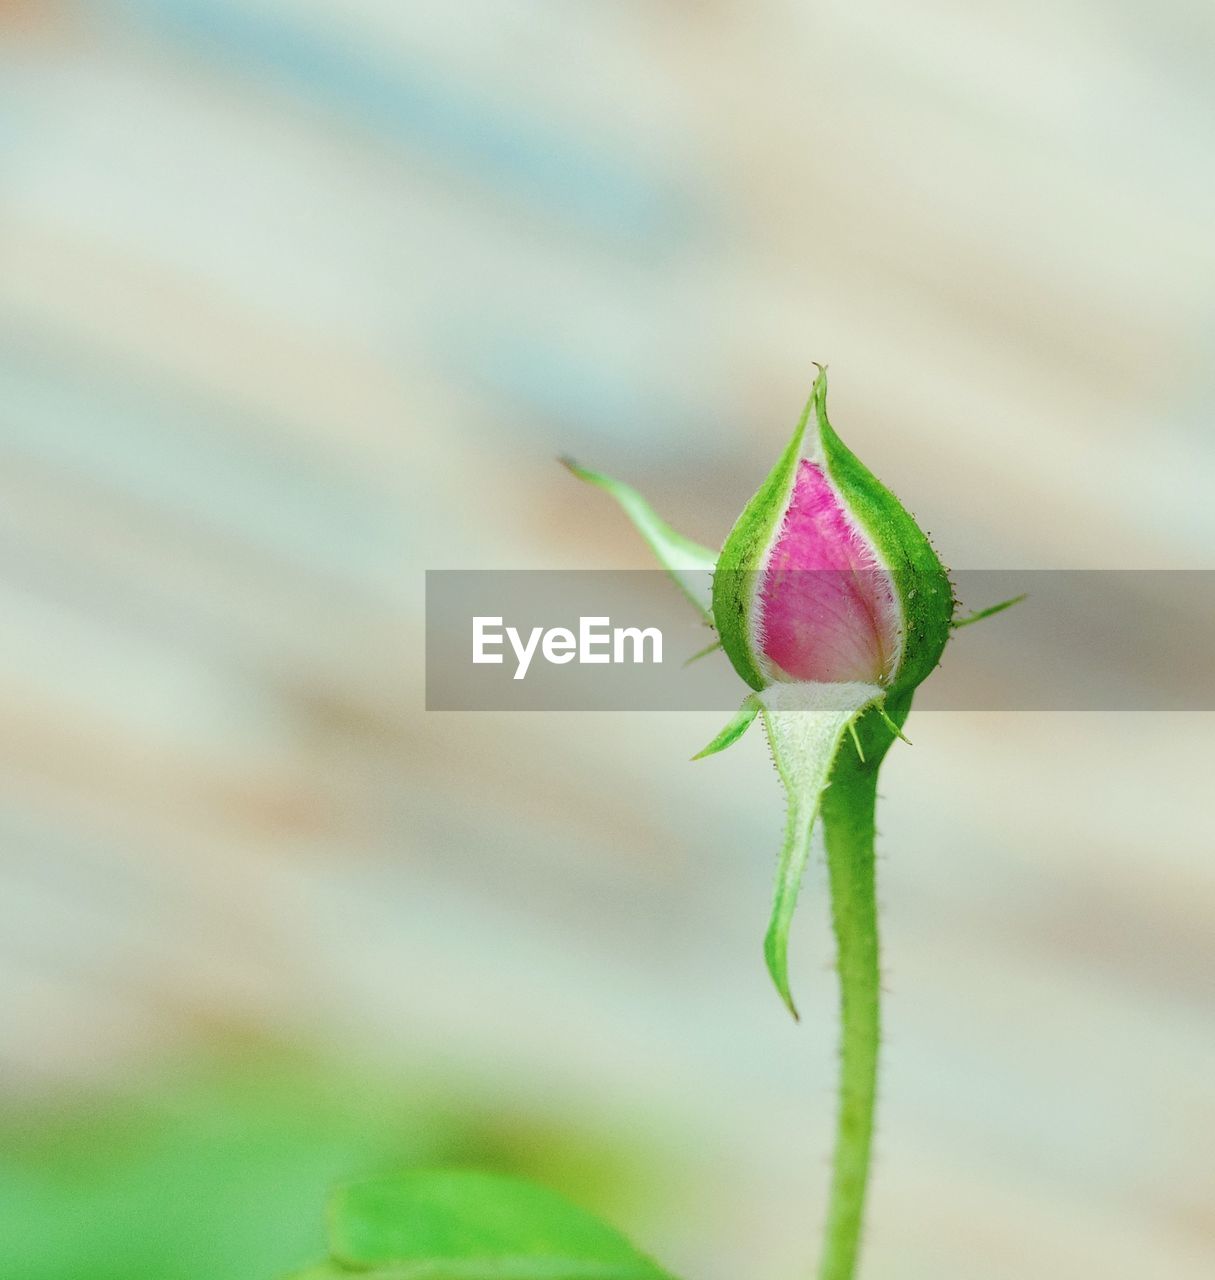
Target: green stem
848 831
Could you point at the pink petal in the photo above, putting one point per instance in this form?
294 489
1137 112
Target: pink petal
827 607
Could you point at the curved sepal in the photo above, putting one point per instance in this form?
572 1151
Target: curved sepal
735 584
739 725
688 563
989 612
922 586
805 725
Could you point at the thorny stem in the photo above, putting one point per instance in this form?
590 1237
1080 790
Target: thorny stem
848 831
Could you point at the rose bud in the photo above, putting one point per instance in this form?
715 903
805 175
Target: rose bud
831 604
825 578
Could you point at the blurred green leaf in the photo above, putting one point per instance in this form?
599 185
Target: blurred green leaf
218 1169
468 1225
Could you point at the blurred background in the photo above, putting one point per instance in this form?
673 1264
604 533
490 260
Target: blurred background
300 299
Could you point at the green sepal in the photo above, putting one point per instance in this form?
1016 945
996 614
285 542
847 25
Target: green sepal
989 612
688 563
921 582
702 653
734 581
805 724
738 725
